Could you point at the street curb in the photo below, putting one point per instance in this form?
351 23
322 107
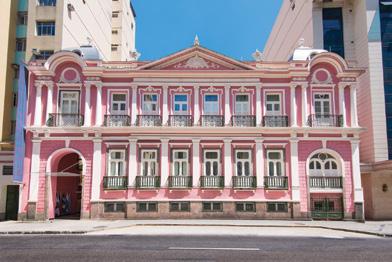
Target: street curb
43 233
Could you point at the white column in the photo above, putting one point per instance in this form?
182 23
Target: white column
164 162
87 105
49 103
356 172
98 113
97 170
38 105
134 105
228 163
259 163
196 162
293 103
34 174
304 104
196 109
227 105
295 185
165 114
258 105
342 103
353 107
132 162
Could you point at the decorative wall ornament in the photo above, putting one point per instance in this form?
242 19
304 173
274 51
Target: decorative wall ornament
322 76
70 75
197 62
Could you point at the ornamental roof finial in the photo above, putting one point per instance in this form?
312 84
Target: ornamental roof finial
196 42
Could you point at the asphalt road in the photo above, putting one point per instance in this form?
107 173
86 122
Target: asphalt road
192 248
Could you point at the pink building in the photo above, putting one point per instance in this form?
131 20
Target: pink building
192 135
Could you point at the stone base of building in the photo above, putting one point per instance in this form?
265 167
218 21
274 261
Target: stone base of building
2 216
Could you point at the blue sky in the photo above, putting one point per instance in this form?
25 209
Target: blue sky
231 27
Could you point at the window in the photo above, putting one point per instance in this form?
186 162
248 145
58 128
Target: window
20 44
47 2
13 127
149 162
8 170
14 99
114 48
277 207
333 30
115 14
245 207
322 104
243 163
46 28
323 165
22 18
275 162
273 105
211 104
212 206
180 207
150 103
119 104
180 104
116 163
69 102
146 207
211 163
114 207
45 54
115 32
180 163
16 70
242 105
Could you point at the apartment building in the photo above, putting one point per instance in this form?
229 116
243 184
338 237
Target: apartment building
193 135
359 31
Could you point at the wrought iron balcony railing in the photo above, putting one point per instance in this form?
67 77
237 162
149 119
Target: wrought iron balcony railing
212 120
148 182
115 182
212 181
180 120
66 120
149 120
325 182
325 120
275 121
243 121
276 182
117 120
244 182
180 181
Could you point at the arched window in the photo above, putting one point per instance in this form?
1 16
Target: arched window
323 164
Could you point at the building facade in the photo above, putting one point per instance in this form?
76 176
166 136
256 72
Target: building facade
359 31
192 135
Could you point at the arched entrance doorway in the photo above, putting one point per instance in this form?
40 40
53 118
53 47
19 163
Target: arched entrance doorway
64 185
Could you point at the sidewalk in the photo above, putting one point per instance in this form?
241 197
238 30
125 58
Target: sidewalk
379 228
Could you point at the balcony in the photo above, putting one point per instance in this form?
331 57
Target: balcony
180 181
244 182
212 182
65 120
243 121
325 121
115 182
117 120
275 121
326 182
276 182
148 182
180 120
212 121
149 120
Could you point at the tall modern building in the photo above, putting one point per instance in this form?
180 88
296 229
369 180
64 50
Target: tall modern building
36 29
361 32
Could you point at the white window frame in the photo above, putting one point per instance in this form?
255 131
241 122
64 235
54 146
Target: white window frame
323 99
205 103
119 103
273 103
275 161
242 104
62 92
181 103
212 161
323 171
180 162
149 161
116 161
243 161
144 103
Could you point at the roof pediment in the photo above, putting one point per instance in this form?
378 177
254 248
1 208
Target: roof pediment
196 58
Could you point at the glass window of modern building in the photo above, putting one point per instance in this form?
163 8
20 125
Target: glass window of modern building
333 30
